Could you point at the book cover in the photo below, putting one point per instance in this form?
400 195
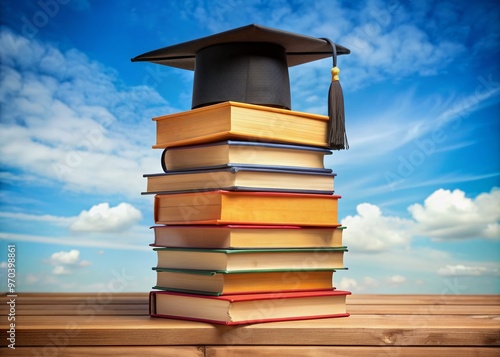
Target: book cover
246 236
241 179
240 121
249 308
237 207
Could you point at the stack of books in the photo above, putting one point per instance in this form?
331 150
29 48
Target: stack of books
246 219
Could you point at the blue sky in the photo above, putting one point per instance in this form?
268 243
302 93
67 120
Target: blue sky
419 184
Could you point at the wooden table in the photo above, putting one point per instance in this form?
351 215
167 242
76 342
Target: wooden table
379 325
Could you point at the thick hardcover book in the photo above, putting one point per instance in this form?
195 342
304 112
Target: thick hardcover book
241 179
224 283
238 207
251 260
246 236
240 121
249 308
231 153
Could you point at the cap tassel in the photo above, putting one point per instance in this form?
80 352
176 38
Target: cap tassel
337 137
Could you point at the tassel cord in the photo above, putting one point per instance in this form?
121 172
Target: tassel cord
337 137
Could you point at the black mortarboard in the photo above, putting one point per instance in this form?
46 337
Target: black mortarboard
250 65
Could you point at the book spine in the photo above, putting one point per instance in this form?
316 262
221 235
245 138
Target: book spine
163 162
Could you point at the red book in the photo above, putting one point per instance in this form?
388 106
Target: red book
249 308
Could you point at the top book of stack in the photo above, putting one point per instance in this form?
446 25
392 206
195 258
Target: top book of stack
240 121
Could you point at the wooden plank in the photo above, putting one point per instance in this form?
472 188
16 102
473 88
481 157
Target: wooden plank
128 351
355 299
394 309
394 324
256 351
80 298
446 299
357 330
346 351
69 310
143 309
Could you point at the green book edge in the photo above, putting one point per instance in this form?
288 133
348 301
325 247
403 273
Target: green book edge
201 292
213 272
265 250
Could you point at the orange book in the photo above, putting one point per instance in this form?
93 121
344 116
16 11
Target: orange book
249 308
235 207
227 283
240 121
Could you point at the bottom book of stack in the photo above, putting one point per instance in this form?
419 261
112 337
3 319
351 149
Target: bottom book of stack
249 308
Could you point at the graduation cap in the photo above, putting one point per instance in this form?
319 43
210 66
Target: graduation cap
250 65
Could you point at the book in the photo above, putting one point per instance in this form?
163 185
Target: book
244 154
224 283
240 121
240 178
249 308
246 236
239 207
251 260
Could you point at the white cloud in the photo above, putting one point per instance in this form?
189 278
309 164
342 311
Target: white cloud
445 215
370 230
67 118
31 279
369 282
396 280
67 258
103 218
450 215
366 284
104 227
66 262
409 44
464 270
3 265
347 284
61 270
396 240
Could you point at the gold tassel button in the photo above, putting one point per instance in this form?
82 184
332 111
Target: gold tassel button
335 73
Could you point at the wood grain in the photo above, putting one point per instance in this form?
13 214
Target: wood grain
115 351
392 325
256 351
343 351
137 304
355 299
